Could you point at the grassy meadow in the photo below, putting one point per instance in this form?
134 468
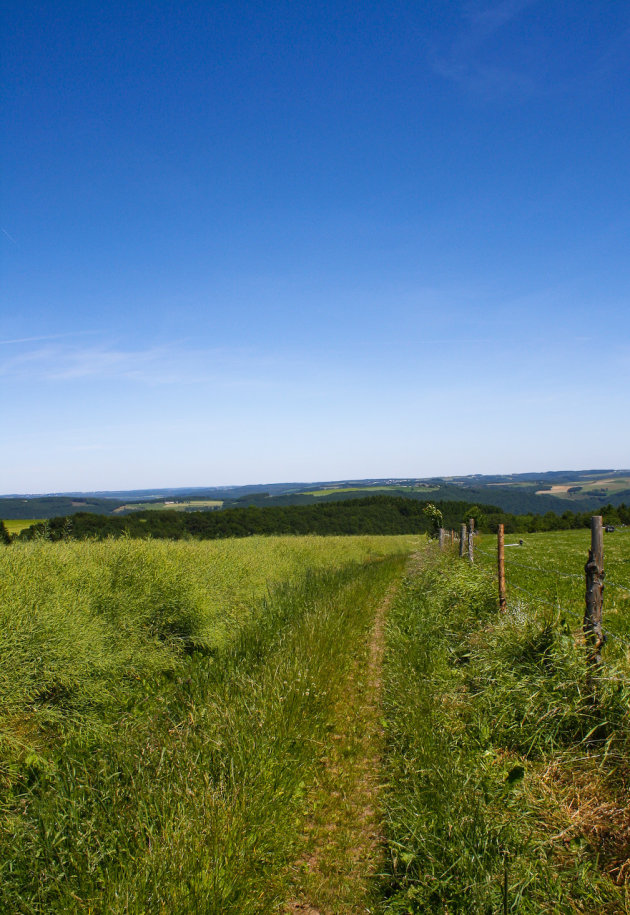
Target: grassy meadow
178 505
15 526
218 727
392 488
163 708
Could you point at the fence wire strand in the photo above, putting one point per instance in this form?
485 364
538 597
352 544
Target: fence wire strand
615 636
535 568
559 606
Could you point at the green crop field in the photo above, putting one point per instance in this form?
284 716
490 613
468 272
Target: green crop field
15 526
330 724
332 492
390 490
170 505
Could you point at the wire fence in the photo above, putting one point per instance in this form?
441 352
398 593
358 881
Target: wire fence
532 567
568 596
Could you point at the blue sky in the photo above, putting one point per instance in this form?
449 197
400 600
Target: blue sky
250 242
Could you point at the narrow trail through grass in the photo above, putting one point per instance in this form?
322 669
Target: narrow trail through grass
337 875
174 777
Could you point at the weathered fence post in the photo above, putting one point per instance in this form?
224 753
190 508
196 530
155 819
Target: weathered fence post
501 568
452 537
594 569
462 540
441 538
471 532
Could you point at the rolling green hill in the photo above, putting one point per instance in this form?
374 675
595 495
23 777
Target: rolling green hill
519 494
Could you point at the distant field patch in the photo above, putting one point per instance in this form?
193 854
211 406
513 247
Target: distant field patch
520 485
332 492
15 527
585 488
172 505
387 489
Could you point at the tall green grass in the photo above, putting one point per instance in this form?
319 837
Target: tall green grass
164 708
502 769
81 623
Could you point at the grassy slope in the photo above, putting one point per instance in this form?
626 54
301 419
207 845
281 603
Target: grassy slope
607 483
507 782
142 776
170 505
14 527
390 490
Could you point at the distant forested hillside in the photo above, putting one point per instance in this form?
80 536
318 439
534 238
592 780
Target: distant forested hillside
372 515
53 506
520 494
517 500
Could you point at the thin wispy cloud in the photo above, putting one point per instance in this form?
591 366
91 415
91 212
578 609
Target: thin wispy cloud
466 60
475 57
44 337
486 19
152 366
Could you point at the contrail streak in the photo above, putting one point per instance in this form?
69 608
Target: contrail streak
71 333
10 237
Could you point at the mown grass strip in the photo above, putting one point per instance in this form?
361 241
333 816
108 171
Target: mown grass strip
506 782
338 871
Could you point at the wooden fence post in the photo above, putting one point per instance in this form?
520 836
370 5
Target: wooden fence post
462 540
452 537
441 538
501 568
594 569
471 532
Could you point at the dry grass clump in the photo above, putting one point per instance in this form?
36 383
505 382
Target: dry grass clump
583 804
